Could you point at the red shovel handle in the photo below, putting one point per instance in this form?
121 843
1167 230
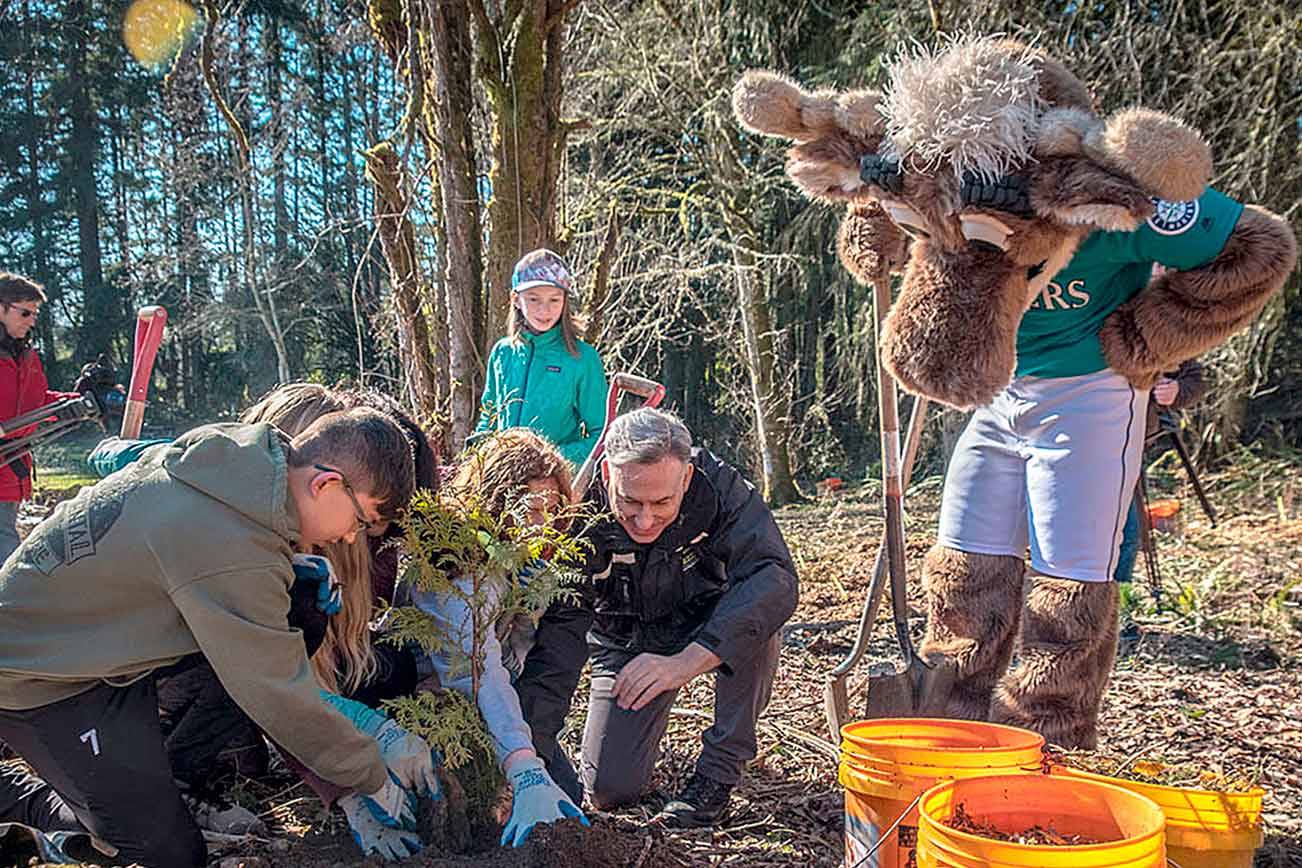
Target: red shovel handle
651 393
150 322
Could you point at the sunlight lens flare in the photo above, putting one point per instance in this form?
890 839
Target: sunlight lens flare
156 30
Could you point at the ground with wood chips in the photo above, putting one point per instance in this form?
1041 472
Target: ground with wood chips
1214 678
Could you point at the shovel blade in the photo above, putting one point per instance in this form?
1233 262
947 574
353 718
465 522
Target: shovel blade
836 706
920 690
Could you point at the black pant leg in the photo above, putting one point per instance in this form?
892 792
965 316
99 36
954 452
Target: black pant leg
27 799
102 751
200 720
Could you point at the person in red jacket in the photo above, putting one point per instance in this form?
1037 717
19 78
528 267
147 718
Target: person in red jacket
22 388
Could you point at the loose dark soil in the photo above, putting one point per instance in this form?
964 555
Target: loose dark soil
608 843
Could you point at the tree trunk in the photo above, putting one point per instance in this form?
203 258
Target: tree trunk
398 240
771 422
525 85
772 404
601 282
275 88
97 312
461 252
36 216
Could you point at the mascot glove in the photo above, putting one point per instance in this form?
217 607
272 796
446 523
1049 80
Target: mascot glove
391 805
375 838
409 759
536 800
314 568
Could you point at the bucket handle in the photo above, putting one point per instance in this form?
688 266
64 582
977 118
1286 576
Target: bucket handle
890 830
913 804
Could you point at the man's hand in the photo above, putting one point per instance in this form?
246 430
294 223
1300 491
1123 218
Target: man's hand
410 759
535 799
373 837
1165 391
647 676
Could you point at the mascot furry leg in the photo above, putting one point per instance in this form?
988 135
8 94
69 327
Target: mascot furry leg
1064 658
1065 646
973 607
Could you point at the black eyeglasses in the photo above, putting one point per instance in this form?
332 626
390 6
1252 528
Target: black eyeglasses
24 312
363 522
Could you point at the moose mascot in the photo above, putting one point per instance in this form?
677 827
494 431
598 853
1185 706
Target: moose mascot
1027 228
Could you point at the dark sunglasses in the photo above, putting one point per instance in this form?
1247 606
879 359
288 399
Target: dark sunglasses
24 312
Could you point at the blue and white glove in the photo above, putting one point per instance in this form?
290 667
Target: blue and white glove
372 836
536 800
314 568
392 805
408 757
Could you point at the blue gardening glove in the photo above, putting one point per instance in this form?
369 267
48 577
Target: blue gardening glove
536 800
408 757
314 568
373 837
391 805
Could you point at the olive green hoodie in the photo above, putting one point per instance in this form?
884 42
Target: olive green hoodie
187 550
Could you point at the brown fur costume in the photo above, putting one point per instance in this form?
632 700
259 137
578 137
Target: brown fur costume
980 168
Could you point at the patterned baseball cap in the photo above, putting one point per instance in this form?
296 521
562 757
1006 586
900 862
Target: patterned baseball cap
542 267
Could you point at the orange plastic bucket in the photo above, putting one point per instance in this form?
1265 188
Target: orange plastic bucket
1164 515
1204 828
1130 827
887 763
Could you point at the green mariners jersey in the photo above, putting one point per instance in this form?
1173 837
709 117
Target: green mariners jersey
1059 334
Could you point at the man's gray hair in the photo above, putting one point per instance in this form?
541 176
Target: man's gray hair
645 436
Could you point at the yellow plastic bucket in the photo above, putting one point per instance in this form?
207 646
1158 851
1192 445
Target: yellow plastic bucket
1130 827
1204 828
887 763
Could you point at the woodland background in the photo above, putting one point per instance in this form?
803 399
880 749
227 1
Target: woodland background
354 208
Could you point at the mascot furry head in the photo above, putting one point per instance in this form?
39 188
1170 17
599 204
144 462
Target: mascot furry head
981 167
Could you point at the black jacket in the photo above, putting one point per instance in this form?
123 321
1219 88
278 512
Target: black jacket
720 575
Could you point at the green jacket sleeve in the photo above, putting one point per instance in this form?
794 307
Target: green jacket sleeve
113 453
239 620
591 407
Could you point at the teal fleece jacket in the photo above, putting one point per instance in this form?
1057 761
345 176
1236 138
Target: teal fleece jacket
534 382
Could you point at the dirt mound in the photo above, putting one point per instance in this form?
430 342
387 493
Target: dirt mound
608 843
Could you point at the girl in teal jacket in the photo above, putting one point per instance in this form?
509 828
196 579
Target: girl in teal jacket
541 376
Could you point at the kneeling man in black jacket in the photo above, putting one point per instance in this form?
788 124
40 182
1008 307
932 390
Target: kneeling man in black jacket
689 575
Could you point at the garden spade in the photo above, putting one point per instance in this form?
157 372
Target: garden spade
836 697
921 689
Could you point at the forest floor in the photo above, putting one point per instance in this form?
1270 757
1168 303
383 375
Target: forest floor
1213 678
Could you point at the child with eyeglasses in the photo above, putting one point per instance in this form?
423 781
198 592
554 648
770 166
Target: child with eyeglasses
185 556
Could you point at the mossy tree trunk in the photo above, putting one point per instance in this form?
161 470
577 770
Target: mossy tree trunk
514 52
